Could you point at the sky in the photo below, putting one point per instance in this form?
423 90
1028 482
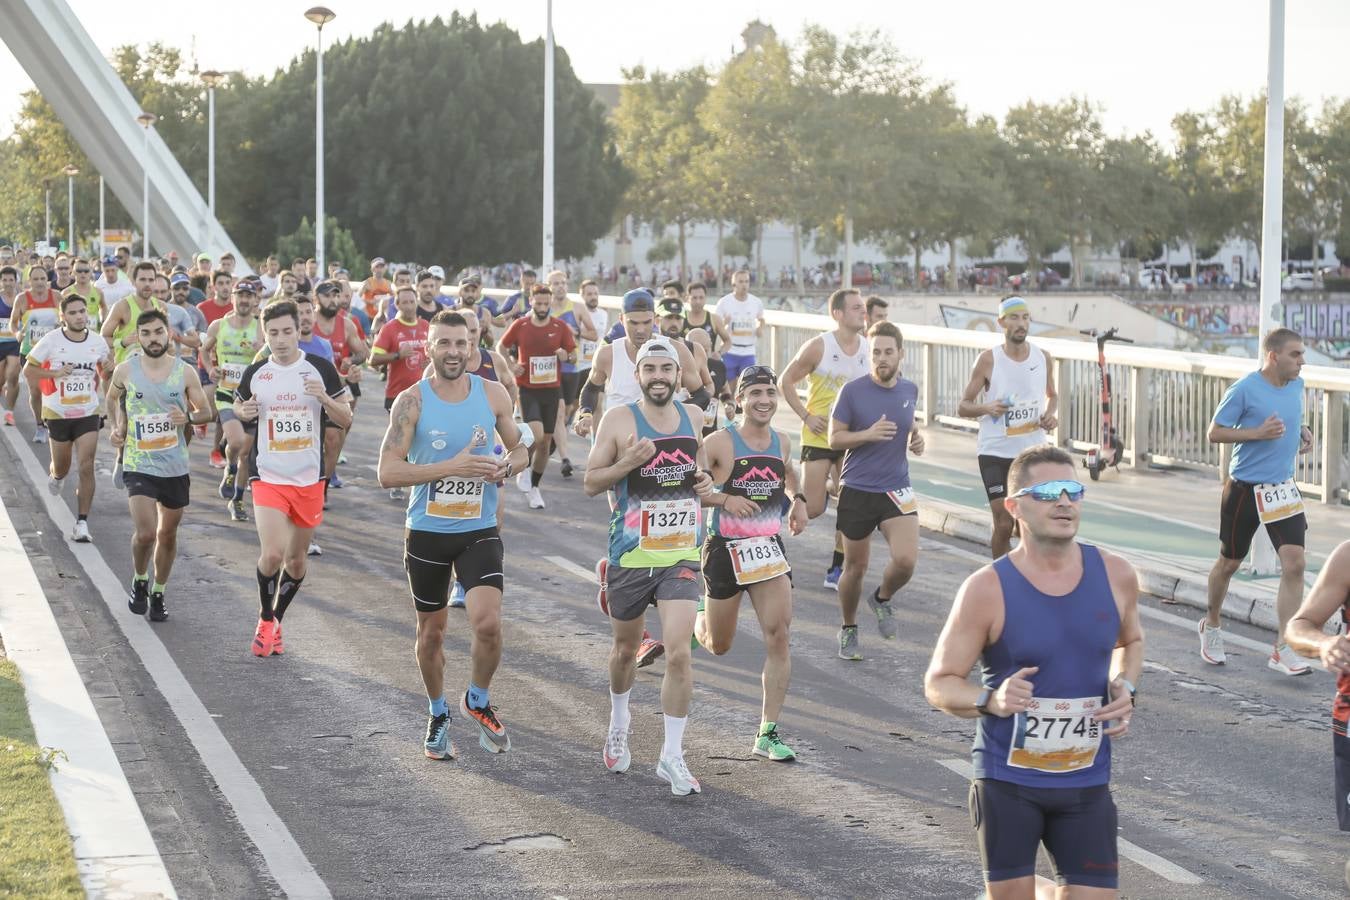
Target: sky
1141 61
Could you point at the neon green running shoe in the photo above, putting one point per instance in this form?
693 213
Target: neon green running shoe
770 746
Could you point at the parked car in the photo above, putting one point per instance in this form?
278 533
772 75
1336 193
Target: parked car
1300 281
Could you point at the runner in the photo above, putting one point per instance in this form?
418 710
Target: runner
1305 636
739 320
119 329
1055 628
38 315
828 361
472 305
440 443
64 366
220 303
113 284
1261 415
349 348
538 345
10 363
743 552
697 317
578 319
401 345
1017 382
873 421
516 305
151 398
878 310
83 285
376 289
229 348
590 296
286 401
647 456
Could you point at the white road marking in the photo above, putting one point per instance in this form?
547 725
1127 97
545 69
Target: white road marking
1133 852
287 863
948 484
568 566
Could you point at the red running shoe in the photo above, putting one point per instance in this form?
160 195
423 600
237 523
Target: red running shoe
264 638
649 651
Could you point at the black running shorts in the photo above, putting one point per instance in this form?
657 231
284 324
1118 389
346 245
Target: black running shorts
571 386
1077 826
811 454
718 574
540 405
171 492
859 513
1340 748
1238 522
429 558
994 474
64 430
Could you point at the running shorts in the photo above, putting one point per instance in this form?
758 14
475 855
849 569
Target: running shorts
1238 522
718 574
8 349
631 591
170 492
859 513
475 557
65 430
225 413
737 363
302 505
571 386
994 474
811 454
1077 826
540 405
1340 747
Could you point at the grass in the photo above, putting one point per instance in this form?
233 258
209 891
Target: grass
36 857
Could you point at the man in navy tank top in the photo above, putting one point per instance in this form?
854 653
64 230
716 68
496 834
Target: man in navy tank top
440 443
1055 628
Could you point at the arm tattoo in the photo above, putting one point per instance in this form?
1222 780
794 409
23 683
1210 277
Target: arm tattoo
402 422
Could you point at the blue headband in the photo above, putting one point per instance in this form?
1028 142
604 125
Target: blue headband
1012 304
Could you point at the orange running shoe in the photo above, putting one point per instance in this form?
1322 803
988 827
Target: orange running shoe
277 647
264 638
649 651
492 735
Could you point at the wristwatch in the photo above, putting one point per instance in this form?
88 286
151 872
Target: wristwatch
982 702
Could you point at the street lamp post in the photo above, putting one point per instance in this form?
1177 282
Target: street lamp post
547 259
320 16
212 78
47 187
101 249
146 120
71 171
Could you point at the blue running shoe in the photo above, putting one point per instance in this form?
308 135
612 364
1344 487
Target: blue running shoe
832 578
457 596
438 745
335 481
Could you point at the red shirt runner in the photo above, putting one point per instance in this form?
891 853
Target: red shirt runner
403 373
537 350
213 310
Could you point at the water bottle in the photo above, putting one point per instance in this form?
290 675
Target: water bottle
499 455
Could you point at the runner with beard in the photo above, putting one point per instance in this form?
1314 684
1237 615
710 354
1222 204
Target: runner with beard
37 314
349 352
230 345
578 318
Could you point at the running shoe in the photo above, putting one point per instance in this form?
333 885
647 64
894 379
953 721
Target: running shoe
437 744
226 489
616 755
492 735
140 595
335 482
602 575
217 458
675 773
342 459
314 548
566 468
9 417
397 494
536 499
157 611
649 651
848 643
264 638
80 533
1211 644
40 434
832 578
54 484
885 615
236 510
770 746
523 480
457 596
1287 662
278 647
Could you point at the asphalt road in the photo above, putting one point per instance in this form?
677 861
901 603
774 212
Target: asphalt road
1225 777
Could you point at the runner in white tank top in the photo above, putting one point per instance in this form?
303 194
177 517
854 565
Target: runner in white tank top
1012 394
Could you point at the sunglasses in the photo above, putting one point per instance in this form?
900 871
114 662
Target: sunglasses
1051 491
84 271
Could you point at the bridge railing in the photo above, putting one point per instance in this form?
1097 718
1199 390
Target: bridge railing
1161 400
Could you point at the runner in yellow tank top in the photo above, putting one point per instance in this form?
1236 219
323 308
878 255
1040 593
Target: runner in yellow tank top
119 329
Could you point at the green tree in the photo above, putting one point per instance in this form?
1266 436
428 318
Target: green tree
340 246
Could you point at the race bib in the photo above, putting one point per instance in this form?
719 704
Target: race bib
669 525
456 498
905 500
230 376
1275 502
289 430
38 332
757 559
154 431
588 349
743 328
543 369
1056 735
1023 418
5 333
76 389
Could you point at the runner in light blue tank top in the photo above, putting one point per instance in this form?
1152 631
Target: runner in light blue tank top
154 446
452 505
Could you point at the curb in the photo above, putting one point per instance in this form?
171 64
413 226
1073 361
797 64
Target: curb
1243 604
114 852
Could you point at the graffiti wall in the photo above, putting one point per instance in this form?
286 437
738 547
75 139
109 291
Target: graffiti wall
1315 321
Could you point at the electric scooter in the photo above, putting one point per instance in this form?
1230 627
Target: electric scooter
1108 451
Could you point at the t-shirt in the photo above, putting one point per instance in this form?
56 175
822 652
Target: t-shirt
213 310
537 350
877 466
403 373
742 318
288 433
76 395
586 357
1247 404
199 324
114 291
270 284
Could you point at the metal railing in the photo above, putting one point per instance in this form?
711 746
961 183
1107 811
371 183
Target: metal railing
1162 400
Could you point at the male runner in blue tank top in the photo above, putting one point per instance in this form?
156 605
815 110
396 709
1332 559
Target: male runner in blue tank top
1055 628
743 552
440 443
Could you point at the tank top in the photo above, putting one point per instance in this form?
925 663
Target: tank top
586 349
7 335
31 304
37 323
128 327
486 369
706 326
622 386
338 339
756 475
93 302
569 316
154 445
655 518
234 353
1071 638
1021 385
452 505
836 369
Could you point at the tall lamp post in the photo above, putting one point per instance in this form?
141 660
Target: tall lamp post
320 16
47 187
70 172
547 259
211 78
146 120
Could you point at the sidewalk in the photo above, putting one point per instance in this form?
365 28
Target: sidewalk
1164 521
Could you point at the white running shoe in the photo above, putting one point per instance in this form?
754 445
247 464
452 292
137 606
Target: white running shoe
40 434
80 533
54 484
523 480
397 494
1211 644
536 499
1287 662
676 774
616 755
314 548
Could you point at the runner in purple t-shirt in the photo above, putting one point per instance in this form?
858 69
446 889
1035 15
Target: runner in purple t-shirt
873 420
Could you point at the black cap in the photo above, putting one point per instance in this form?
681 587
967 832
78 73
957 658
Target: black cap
671 306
